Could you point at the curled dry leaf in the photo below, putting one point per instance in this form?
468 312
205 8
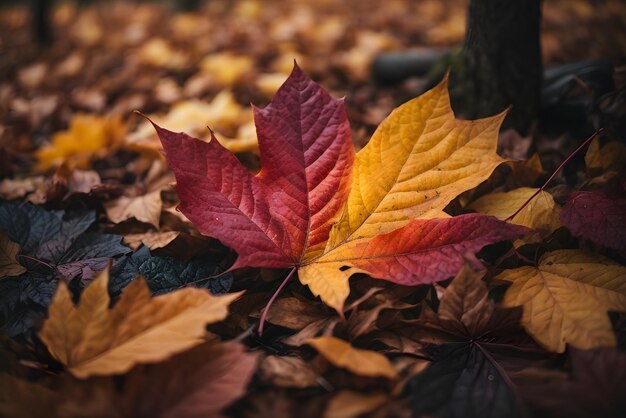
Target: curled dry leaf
145 208
361 362
300 212
566 298
150 239
91 339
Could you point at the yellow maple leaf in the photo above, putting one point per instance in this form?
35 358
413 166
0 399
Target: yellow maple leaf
362 362
417 161
91 339
88 137
566 298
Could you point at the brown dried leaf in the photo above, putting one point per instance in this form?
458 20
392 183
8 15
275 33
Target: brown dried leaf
287 372
349 404
92 340
8 253
361 362
145 208
196 383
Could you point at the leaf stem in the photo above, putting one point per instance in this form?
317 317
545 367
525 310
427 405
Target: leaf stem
559 168
36 260
273 298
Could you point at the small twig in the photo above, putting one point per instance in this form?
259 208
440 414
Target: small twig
272 299
36 261
247 333
559 168
215 276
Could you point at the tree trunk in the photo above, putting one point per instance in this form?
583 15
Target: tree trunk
40 15
500 64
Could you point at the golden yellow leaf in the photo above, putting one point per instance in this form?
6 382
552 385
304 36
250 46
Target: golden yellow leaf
91 339
566 298
269 84
361 362
227 68
8 253
527 172
88 137
541 213
159 53
417 161
606 163
611 156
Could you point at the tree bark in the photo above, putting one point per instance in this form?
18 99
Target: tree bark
500 64
40 15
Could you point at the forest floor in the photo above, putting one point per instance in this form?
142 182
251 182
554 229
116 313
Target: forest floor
84 185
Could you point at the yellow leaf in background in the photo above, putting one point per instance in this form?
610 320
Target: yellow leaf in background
227 69
567 297
610 157
8 253
91 339
357 61
88 137
223 114
541 213
361 362
605 163
159 53
269 84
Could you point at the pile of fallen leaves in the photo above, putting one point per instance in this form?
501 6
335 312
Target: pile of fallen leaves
438 271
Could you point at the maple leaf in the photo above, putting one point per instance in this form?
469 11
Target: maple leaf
478 343
597 216
566 298
300 212
92 340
